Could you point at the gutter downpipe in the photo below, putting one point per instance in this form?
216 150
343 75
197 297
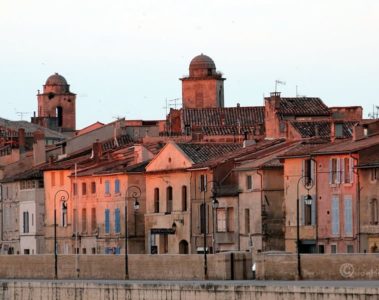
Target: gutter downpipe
316 203
358 193
261 190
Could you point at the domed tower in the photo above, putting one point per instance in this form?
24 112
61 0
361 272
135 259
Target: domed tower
56 105
204 87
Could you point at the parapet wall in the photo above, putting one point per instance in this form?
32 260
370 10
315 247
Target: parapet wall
318 266
221 266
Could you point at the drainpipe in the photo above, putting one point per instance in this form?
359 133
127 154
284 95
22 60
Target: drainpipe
358 195
316 203
261 190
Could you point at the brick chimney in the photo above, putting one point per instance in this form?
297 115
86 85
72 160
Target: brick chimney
97 150
21 140
358 132
39 152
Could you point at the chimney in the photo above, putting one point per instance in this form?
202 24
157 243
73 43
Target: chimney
39 152
21 140
275 99
358 132
222 117
97 150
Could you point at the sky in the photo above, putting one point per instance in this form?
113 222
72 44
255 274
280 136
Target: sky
124 58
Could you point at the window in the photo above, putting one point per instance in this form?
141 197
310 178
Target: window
247 221
84 188
203 183
321 249
107 221
335 216
338 130
156 200
25 222
249 182
75 221
221 219
84 250
169 200
117 186
184 198
117 225
347 170
107 187
374 212
93 219
64 213
52 178
308 212
93 187
308 172
202 218
84 220
230 219
348 216
334 171
75 189
333 248
350 249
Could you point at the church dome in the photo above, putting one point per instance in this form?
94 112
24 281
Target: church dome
56 84
56 79
202 62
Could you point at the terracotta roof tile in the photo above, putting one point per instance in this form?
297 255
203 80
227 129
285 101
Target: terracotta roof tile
224 116
303 106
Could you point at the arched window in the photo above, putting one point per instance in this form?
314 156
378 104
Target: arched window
183 247
184 198
156 200
374 211
169 200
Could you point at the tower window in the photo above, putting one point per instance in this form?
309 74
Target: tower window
59 114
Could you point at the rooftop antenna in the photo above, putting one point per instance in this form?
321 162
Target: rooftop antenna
22 113
173 102
277 82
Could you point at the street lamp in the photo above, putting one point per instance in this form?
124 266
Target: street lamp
214 203
134 192
308 184
64 199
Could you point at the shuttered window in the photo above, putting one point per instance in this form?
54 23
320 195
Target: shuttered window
117 186
107 187
348 216
117 226
107 221
335 216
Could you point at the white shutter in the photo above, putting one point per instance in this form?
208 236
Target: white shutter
303 171
313 210
342 164
338 181
313 173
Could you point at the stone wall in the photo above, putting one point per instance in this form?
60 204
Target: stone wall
318 266
141 266
75 290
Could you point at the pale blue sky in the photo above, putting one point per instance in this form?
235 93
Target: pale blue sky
124 58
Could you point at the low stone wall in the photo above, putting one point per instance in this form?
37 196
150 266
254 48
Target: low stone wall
142 267
318 266
79 290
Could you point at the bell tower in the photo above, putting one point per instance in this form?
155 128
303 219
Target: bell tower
204 87
56 105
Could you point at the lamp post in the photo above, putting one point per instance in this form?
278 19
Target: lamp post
308 201
64 199
134 192
214 203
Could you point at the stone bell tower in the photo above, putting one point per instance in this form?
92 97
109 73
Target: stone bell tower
204 87
56 105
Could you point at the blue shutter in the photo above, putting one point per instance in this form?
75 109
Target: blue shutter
335 216
107 189
118 250
313 216
348 216
117 186
107 223
117 220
